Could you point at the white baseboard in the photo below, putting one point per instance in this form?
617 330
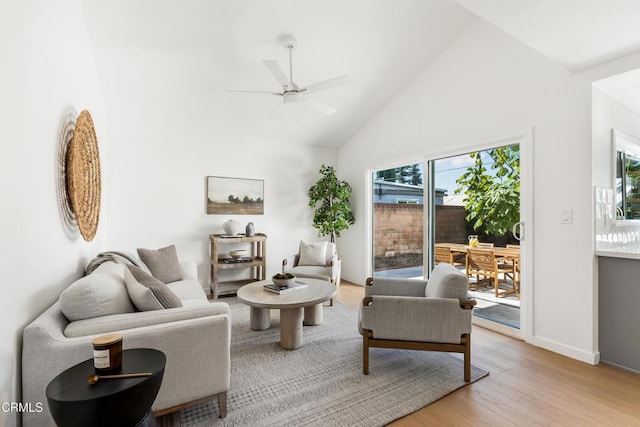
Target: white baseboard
566 350
497 327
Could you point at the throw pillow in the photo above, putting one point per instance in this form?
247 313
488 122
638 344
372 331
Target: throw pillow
163 263
313 253
101 293
147 292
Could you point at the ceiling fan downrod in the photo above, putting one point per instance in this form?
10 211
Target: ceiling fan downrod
290 43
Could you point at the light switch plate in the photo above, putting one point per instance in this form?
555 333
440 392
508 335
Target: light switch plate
566 216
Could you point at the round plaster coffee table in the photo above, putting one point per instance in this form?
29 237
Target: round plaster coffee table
294 306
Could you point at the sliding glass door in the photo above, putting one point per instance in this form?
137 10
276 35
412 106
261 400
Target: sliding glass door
424 213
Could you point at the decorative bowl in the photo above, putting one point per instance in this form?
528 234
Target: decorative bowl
283 282
239 253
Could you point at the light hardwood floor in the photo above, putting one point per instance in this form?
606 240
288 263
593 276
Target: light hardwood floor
527 386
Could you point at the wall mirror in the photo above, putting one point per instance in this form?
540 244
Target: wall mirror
626 180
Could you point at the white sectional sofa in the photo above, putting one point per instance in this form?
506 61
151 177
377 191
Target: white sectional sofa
195 338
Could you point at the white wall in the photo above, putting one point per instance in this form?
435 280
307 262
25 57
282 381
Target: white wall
488 86
165 139
48 77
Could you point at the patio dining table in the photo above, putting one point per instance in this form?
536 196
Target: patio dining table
461 249
508 254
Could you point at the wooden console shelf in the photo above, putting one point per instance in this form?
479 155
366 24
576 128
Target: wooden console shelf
257 266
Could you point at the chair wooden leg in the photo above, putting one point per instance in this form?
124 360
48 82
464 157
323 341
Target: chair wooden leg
222 403
331 302
467 358
365 353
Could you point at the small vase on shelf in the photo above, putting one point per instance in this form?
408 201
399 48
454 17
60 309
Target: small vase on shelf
249 230
232 227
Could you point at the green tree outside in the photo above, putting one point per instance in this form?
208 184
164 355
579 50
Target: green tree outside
493 197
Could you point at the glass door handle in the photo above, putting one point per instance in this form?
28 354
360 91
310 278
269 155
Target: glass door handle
518 230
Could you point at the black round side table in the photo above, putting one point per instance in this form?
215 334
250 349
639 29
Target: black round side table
74 402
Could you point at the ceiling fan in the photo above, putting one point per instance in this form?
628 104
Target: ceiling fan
291 92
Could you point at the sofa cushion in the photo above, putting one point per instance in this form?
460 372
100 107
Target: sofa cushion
101 293
187 289
123 322
313 253
312 272
147 292
163 263
446 281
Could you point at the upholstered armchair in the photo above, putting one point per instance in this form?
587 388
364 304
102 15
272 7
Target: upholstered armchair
317 260
433 315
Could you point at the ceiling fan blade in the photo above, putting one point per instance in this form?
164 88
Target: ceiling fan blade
320 106
326 84
277 72
254 91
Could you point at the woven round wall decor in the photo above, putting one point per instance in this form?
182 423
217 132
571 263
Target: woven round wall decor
83 176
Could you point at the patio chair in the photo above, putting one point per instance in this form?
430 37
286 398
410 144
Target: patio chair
443 253
508 262
410 314
516 266
483 262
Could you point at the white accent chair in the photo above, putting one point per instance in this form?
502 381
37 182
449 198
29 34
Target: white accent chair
317 260
433 315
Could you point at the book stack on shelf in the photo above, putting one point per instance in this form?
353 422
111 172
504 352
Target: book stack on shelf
237 260
291 288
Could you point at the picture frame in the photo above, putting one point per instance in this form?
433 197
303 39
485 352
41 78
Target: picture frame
234 196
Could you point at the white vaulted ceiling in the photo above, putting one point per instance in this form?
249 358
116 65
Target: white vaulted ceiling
577 34
382 45
189 53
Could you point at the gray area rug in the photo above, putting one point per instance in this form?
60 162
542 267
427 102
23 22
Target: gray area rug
500 313
321 383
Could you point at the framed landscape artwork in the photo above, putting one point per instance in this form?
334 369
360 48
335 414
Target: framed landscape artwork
236 196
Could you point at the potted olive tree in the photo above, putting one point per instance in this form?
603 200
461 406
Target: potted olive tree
330 199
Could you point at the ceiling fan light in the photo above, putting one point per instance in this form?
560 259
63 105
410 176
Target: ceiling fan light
292 96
